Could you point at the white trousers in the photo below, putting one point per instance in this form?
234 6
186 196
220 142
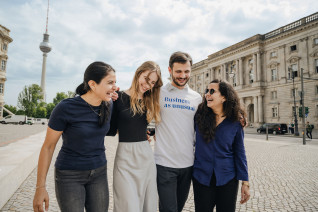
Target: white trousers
134 180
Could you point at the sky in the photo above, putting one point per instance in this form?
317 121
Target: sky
126 33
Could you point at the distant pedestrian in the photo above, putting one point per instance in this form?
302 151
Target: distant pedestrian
80 168
291 128
220 159
309 130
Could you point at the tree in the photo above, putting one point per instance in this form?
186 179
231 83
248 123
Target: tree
40 112
49 109
59 97
29 98
70 94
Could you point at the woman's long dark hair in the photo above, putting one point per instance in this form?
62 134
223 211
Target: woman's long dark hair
96 71
205 118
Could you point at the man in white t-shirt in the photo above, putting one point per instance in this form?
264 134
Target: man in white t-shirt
174 147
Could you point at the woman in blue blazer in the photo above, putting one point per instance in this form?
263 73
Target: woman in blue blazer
220 160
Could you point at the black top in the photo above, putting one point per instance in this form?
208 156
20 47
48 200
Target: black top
131 128
83 139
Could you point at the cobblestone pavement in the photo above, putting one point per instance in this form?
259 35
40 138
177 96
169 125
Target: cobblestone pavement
283 176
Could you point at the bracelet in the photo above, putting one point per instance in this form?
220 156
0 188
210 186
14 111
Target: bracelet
37 187
246 183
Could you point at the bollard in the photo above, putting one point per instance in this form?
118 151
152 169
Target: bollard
267 133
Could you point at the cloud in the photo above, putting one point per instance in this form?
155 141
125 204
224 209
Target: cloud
127 33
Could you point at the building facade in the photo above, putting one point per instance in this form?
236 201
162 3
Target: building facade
265 71
5 39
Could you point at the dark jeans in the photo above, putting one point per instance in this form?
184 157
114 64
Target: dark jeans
173 187
207 197
76 190
309 134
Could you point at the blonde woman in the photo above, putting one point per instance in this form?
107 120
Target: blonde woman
134 177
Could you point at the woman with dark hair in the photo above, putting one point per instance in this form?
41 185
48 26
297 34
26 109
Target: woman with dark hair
135 188
220 160
80 168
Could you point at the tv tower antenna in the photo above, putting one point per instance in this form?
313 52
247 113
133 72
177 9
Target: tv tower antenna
45 47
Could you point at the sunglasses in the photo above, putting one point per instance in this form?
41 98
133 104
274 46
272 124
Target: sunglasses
210 91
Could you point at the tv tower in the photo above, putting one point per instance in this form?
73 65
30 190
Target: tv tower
45 47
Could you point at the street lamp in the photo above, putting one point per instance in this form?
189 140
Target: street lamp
294 94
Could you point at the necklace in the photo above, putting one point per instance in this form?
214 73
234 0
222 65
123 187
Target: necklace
99 114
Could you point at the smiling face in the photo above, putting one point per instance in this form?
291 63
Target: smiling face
215 100
180 74
147 81
105 89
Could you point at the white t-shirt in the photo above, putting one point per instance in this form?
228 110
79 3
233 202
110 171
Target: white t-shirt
175 133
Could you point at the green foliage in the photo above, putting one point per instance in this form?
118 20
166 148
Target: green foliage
40 112
49 109
29 98
59 97
30 102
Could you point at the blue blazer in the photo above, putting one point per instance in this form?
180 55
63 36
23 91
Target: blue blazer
224 155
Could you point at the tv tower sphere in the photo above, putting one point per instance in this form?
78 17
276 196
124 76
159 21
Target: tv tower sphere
45 46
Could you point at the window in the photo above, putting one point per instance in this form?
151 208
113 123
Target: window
3 65
316 110
4 47
1 88
274 94
250 61
274 74
251 75
207 75
198 77
316 41
293 71
293 48
294 92
316 61
273 54
274 112
316 89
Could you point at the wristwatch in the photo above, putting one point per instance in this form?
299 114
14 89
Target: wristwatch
246 183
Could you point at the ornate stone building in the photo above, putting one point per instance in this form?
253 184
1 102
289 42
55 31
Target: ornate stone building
5 39
262 68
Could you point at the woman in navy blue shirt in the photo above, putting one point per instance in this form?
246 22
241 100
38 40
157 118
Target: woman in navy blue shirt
80 168
220 160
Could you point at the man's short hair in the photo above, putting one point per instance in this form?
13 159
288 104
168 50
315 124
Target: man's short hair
179 57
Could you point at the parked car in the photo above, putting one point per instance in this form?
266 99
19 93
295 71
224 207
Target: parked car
42 121
30 121
14 119
273 128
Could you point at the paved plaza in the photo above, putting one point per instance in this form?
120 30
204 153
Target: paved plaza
283 176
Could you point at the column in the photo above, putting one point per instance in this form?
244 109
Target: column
254 68
241 71
255 109
237 73
224 72
260 109
259 66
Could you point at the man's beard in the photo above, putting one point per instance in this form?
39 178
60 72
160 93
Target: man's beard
178 84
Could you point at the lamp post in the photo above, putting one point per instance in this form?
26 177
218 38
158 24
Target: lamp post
294 94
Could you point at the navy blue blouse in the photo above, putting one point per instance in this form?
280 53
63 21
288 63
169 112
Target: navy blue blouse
83 139
224 155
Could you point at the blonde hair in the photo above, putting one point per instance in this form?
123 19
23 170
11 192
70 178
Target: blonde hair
150 102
